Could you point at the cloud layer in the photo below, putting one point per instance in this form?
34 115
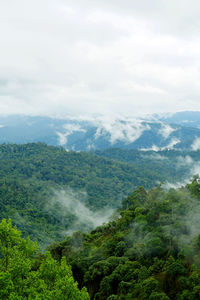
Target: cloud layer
71 57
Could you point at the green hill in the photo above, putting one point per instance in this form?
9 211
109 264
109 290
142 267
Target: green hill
40 185
150 250
169 164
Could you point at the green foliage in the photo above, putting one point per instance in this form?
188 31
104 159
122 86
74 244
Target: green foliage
149 251
163 166
31 173
23 276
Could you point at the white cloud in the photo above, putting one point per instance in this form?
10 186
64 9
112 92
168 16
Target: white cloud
117 129
196 144
195 169
153 148
168 185
71 201
166 130
69 129
185 161
170 146
72 57
125 130
62 138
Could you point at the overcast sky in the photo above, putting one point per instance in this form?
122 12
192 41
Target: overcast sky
99 56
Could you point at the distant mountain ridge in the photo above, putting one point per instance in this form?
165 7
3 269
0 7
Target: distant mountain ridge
179 131
183 118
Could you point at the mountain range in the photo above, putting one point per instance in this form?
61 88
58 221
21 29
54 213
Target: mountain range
180 131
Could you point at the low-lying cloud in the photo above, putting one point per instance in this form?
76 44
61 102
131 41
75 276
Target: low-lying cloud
68 130
69 204
170 146
113 128
181 225
124 130
193 168
196 144
166 130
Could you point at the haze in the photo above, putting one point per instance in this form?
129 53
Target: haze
99 57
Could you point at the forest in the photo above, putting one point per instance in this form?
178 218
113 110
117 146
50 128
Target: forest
150 250
148 246
27 274
33 178
100 150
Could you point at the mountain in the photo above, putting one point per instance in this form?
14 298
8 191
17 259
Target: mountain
50 192
169 164
183 118
149 250
86 134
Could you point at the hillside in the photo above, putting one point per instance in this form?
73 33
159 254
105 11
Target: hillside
172 165
28 274
98 133
49 192
144 247
150 250
183 118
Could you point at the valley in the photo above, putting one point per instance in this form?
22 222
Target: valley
125 218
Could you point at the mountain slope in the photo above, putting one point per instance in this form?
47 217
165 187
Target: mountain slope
149 251
49 192
183 118
100 133
170 164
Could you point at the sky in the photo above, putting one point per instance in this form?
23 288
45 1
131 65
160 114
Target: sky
99 57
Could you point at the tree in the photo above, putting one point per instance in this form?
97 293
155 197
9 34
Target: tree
26 276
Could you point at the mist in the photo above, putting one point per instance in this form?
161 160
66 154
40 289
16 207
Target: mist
192 167
196 144
178 223
166 130
70 205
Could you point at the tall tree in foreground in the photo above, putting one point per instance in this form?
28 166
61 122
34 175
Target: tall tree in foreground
25 274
